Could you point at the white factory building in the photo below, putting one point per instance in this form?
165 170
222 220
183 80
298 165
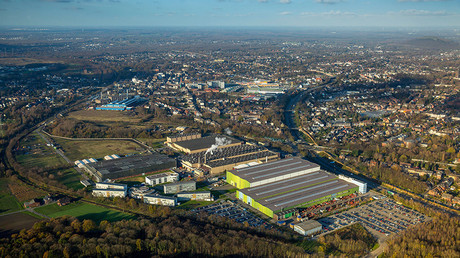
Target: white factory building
308 227
167 177
160 200
110 157
195 196
362 186
110 190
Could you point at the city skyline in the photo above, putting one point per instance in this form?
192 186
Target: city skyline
238 13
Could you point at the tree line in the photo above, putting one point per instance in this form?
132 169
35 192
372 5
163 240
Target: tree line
174 236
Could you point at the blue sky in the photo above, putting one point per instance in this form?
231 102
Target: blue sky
270 13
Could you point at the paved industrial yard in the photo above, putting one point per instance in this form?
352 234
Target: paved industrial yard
233 211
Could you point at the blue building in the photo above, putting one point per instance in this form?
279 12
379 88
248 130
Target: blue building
120 105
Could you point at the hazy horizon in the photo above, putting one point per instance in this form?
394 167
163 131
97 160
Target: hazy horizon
231 13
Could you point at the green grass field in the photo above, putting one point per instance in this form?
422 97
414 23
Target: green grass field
35 153
32 214
154 143
83 211
70 178
8 202
40 160
76 150
188 205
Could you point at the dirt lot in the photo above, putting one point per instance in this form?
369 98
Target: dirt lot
13 223
104 116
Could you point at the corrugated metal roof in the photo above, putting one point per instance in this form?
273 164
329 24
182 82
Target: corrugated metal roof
274 169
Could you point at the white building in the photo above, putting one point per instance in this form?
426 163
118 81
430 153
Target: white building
109 193
160 200
140 192
110 190
308 227
196 196
183 186
111 186
110 157
90 160
362 185
167 177
218 84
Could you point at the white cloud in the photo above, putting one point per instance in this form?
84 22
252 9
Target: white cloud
285 13
328 1
415 12
420 1
329 13
285 1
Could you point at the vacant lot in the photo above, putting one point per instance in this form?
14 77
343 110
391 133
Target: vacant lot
69 177
25 61
154 143
76 150
83 211
8 202
104 116
23 192
33 152
13 223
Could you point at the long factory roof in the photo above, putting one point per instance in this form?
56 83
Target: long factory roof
204 142
274 169
297 194
287 185
132 162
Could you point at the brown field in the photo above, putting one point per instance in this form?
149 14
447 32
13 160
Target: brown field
79 149
25 61
104 116
23 192
155 143
13 223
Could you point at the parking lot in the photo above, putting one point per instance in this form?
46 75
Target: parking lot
382 218
233 211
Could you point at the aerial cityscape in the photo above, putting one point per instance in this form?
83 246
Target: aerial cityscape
262 128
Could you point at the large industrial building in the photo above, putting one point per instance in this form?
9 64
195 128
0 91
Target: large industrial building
206 154
129 166
196 143
183 137
167 177
275 188
270 172
121 105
